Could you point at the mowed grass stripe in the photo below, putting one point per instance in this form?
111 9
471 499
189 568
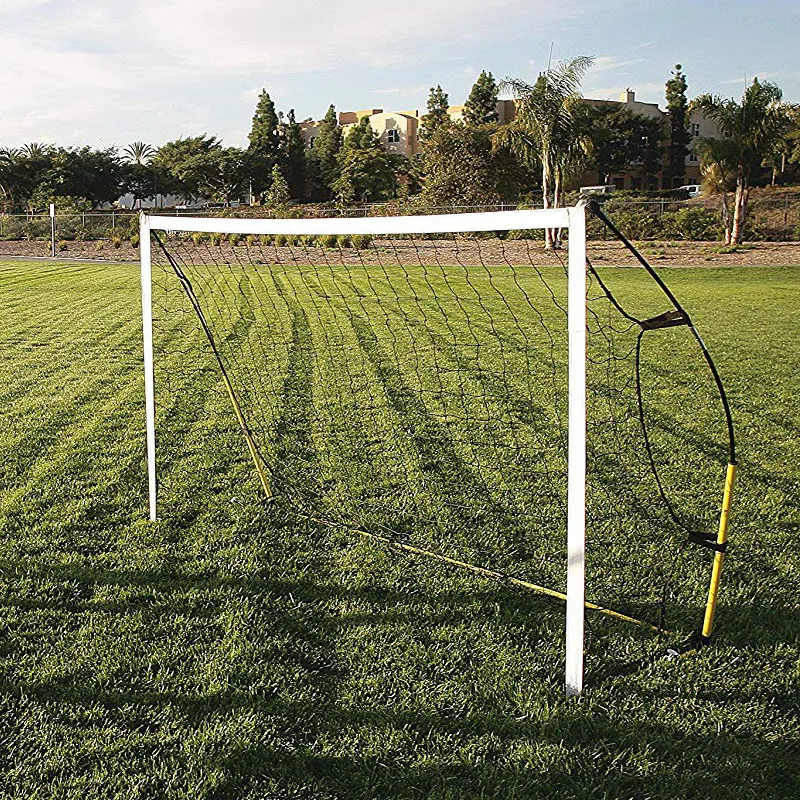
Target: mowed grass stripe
233 653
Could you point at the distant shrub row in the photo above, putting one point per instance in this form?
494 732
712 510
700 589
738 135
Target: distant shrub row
355 241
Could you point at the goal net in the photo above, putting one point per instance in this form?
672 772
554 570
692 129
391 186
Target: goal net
446 387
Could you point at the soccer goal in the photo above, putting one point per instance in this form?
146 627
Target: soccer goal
448 388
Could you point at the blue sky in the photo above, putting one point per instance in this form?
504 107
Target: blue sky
108 72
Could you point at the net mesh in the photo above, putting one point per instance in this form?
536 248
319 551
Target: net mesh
416 387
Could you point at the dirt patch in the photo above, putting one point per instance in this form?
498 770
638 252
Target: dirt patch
672 254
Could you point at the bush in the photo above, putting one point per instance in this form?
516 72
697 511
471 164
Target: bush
639 224
343 240
62 245
692 223
361 241
215 239
198 237
327 240
280 240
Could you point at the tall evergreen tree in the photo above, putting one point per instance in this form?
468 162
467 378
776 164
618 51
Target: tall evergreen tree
481 105
278 194
438 103
324 166
262 154
292 158
361 136
678 134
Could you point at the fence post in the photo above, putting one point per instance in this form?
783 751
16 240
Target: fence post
52 230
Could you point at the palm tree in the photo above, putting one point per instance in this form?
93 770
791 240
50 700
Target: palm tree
34 150
138 153
8 162
547 127
718 168
753 127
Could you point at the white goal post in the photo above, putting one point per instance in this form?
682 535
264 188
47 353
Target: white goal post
573 219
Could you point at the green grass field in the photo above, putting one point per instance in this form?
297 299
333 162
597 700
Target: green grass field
230 651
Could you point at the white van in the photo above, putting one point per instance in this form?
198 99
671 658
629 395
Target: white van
604 189
693 190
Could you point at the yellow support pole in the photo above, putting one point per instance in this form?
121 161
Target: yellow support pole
251 445
719 556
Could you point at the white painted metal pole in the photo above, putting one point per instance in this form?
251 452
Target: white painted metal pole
149 379
576 482
52 230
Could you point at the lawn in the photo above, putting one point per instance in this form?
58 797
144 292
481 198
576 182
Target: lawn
231 650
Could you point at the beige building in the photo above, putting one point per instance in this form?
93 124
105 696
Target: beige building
398 131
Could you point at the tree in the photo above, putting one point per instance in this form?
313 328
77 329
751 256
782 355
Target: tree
21 171
718 168
549 128
138 153
678 134
462 168
753 127
786 149
622 139
361 136
438 103
323 164
9 177
96 175
140 176
366 171
200 166
262 152
278 194
481 105
292 157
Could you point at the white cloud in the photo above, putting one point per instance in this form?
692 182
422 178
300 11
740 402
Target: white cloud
64 70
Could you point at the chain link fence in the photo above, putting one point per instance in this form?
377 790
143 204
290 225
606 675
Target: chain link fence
769 219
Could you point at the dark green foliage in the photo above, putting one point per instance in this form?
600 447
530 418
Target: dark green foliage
361 136
462 168
679 138
438 103
199 166
292 157
481 105
324 161
36 176
622 140
278 195
262 152
365 175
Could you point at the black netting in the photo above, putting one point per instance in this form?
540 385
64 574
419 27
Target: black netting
416 388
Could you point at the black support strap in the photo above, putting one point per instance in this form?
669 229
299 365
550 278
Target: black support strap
668 319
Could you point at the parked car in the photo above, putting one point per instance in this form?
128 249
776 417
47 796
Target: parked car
693 190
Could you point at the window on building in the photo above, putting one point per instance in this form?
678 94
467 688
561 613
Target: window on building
393 136
619 183
636 183
695 130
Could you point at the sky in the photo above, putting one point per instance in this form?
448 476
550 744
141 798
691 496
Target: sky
109 72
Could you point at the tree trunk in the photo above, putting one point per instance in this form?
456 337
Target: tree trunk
739 211
556 232
726 217
548 234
